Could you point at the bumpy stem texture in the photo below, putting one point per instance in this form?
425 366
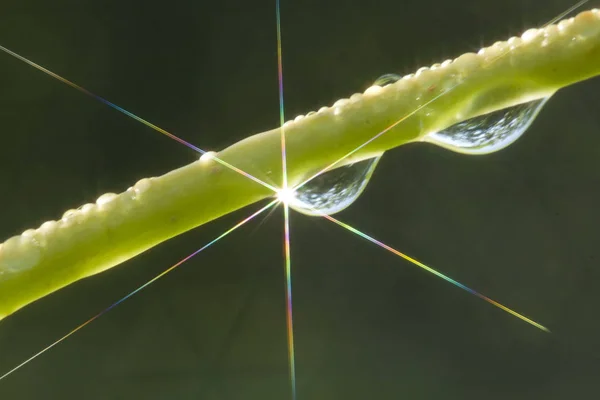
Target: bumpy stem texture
117 227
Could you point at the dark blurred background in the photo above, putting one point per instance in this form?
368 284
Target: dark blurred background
521 225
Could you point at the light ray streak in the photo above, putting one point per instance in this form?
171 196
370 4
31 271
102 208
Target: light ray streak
566 12
432 271
288 292
286 212
263 220
281 105
142 287
427 103
133 116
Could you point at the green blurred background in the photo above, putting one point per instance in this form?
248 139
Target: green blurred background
521 225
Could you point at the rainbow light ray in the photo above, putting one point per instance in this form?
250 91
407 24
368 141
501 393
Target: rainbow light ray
281 104
135 117
433 271
333 164
142 287
288 292
286 212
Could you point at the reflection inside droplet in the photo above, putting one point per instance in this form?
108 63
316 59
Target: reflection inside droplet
490 132
334 190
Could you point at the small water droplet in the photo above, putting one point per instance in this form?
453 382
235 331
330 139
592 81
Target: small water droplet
69 213
387 79
207 156
86 207
490 132
335 190
141 186
372 91
106 198
19 253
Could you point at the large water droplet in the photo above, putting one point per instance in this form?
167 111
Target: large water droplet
490 132
335 190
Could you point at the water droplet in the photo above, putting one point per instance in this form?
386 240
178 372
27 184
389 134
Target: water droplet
373 90
86 207
207 156
19 253
141 187
106 198
490 132
387 79
335 190
69 213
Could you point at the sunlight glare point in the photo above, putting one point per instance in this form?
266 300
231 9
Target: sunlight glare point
209 155
286 195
